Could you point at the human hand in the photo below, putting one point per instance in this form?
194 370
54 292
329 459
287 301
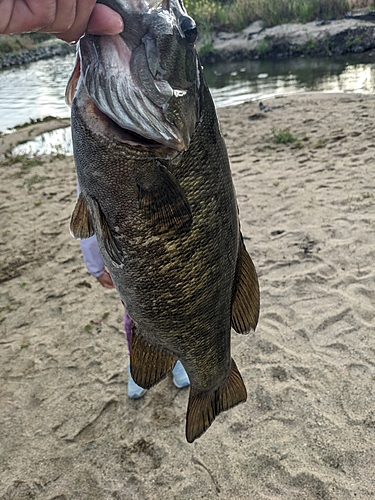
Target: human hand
66 19
106 280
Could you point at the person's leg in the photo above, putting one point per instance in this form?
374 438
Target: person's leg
134 391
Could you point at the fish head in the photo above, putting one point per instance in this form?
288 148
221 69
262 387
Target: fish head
145 80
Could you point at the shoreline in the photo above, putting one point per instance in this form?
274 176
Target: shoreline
316 39
49 50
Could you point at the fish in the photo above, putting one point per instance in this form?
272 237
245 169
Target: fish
157 190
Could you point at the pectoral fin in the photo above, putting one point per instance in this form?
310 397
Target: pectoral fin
148 364
81 223
203 408
104 234
245 303
88 219
162 201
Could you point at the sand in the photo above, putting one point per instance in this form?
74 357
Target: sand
307 431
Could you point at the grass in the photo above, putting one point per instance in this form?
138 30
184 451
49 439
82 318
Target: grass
24 164
364 196
12 159
35 179
352 42
321 143
237 14
283 136
18 43
34 121
263 48
310 46
32 162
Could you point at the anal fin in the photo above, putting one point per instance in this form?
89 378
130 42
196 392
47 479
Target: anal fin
148 364
245 302
203 408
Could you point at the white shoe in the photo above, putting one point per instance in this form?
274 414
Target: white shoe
134 390
180 377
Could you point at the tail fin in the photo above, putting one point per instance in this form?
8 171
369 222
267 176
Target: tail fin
205 406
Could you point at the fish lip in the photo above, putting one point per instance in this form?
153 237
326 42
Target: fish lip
147 120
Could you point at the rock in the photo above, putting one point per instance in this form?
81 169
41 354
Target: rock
253 29
293 40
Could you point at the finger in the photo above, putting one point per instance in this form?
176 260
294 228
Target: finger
30 15
108 283
63 17
105 21
101 21
71 19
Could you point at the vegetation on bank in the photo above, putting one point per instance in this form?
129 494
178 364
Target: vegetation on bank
235 15
17 43
228 15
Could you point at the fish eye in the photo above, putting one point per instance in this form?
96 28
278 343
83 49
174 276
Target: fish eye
189 28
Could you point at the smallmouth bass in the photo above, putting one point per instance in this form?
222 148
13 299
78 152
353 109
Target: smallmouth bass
157 191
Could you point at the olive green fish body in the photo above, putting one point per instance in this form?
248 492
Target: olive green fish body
160 198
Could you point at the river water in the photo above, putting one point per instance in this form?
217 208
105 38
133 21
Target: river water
37 90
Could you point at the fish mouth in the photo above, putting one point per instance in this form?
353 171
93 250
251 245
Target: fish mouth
76 96
134 102
105 126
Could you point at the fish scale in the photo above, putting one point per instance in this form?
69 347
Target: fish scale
164 211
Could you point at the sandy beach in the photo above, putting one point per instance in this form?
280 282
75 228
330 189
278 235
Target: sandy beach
307 432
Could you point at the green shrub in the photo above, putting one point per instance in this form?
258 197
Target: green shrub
18 43
237 14
206 13
263 48
283 136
